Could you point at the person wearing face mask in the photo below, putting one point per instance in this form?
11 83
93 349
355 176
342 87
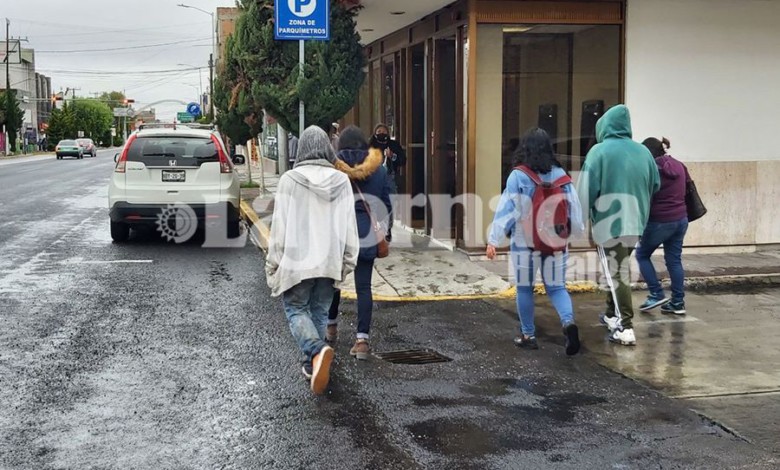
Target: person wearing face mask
394 159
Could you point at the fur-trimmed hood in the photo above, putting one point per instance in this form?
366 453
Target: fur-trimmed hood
359 165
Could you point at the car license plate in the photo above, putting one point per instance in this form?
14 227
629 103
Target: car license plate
177 176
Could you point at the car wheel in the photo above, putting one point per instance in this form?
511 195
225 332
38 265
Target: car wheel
120 231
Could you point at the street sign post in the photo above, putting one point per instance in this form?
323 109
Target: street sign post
194 109
185 117
302 20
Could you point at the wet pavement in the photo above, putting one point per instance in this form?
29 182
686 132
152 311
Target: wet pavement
719 360
157 355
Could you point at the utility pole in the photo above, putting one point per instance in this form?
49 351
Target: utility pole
7 55
211 84
7 78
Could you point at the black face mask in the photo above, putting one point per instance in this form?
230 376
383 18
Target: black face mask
382 138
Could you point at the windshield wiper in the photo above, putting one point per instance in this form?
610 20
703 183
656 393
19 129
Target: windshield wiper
159 155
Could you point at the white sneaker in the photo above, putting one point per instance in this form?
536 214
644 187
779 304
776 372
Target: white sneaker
612 323
625 337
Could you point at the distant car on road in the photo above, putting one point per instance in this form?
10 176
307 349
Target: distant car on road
69 148
89 147
164 173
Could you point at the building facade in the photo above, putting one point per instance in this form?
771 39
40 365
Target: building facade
458 84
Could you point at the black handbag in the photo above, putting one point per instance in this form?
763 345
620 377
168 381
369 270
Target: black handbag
693 204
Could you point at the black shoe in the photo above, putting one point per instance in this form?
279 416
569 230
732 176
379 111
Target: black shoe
572 334
526 342
676 308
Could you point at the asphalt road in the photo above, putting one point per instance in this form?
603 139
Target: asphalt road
151 354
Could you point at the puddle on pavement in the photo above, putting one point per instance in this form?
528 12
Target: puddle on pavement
466 438
518 409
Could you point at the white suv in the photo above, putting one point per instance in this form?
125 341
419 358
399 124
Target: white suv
168 167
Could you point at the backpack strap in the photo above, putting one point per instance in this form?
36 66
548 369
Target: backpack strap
530 173
562 181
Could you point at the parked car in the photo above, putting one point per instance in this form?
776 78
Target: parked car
89 147
69 148
161 169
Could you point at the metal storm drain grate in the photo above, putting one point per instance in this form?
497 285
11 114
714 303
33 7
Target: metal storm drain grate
413 356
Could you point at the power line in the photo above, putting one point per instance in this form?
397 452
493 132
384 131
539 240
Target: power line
121 72
78 51
107 30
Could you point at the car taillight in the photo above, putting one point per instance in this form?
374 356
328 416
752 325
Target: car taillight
121 164
225 166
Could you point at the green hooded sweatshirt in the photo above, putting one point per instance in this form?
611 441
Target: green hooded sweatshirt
618 179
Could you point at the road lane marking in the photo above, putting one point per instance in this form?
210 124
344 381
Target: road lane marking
118 261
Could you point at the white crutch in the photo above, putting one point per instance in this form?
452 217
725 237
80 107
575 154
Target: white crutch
610 282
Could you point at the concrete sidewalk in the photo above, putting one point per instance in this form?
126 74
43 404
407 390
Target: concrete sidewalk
420 269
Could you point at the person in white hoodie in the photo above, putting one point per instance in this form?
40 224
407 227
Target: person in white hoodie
314 245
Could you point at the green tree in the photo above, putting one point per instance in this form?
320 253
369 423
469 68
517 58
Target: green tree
268 69
113 99
93 117
62 125
240 117
12 116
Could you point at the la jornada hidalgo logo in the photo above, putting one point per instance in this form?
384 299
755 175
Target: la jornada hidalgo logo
302 8
177 223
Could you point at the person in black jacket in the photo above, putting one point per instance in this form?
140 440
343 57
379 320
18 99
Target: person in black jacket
368 175
394 160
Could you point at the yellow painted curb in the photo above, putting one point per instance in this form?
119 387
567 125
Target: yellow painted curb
572 287
262 231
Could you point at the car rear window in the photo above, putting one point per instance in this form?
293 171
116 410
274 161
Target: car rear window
71 143
162 151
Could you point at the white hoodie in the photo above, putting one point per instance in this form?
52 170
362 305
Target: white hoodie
313 230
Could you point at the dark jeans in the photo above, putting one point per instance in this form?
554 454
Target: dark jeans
671 236
363 273
619 256
393 187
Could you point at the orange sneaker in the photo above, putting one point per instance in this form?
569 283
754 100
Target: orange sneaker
321 370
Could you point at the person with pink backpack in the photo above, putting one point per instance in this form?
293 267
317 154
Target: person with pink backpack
539 211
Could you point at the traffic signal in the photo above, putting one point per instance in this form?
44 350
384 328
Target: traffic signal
128 101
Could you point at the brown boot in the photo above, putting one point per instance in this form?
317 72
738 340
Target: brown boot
332 333
360 350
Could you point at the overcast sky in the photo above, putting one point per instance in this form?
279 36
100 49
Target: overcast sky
56 28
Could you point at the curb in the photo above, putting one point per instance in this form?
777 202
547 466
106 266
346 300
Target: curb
261 235
259 231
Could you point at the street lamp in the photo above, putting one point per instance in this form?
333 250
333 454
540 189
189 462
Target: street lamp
211 56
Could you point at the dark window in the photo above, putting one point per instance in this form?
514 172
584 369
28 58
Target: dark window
161 151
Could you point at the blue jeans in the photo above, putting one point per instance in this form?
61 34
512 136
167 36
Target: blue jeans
306 306
365 299
671 235
554 277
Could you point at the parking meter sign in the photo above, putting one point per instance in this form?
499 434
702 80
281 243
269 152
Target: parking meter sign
298 20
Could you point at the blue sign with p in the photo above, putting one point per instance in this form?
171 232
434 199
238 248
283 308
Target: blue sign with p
302 20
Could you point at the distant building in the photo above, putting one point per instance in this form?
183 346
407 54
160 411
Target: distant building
226 25
44 103
145 117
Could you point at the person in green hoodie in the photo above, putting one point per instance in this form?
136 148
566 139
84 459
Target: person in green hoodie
617 183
